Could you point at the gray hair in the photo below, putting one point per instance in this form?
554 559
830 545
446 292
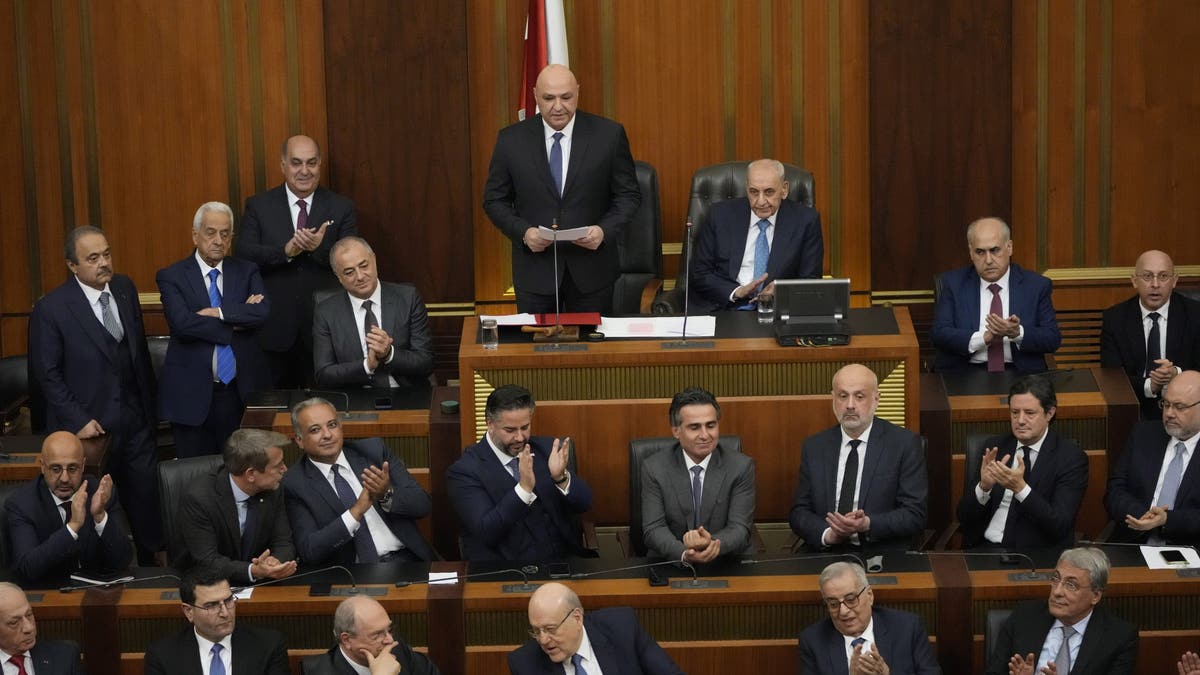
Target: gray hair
341 245
247 449
1092 560
840 568
302 406
1005 230
345 619
77 234
773 164
219 207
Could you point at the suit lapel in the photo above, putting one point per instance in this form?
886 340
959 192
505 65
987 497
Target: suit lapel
81 309
1095 635
353 346
391 309
1016 283
580 138
875 445
786 231
321 485
969 302
836 653
195 281
228 508
539 157
680 484
604 651
1175 325
714 483
1136 335
737 247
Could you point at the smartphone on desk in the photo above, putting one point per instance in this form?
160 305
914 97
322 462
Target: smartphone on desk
1174 558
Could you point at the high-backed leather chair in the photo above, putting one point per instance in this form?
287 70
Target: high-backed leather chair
14 389
991 630
717 183
174 478
639 249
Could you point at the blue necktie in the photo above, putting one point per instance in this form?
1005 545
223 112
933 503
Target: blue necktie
762 250
577 661
364 546
556 163
1171 481
226 369
216 666
697 495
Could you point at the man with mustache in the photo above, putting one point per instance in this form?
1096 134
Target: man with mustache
20 649
88 355
993 314
862 482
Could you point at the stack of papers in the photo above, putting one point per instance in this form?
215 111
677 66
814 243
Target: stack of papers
658 326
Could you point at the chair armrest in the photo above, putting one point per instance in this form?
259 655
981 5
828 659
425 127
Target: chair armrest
669 302
624 542
649 293
588 530
10 413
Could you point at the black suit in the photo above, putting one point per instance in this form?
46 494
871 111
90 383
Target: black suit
1132 482
1046 518
315 512
212 537
42 548
600 189
56 658
797 250
618 641
85 374
899 637
265 229
337 350
1109 645
333 663
253 651
1123 343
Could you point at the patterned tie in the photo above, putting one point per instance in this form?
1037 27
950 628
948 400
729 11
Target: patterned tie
697 495
1153 343
849 479
110 322
364 546
1174 475
216 666
514 467
556 162
762 249
996 347
18 660
1062 662
577 661
302 217
226 365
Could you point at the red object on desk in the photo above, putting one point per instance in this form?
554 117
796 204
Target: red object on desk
568 319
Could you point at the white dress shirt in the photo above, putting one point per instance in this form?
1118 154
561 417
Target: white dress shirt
868 634
589 663
93 298
9 668
564 144
1162 339
295 210
384 539
995 529
360 317
1054 642
843 455
977 347
746 271
206 646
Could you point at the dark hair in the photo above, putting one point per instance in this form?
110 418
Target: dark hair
1039 387
505 398
75 235
247 449
691 396
198 576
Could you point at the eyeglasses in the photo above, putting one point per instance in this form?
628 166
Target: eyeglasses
1177 407
536 632
1069 584
1151 277
227 604
850 601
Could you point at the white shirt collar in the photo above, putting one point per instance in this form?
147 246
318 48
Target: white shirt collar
376 300
93 295
868 634
326 467
687 461
585 650
864 436
567 131
1079 626
1162 311
238 494
754 219
292 198
206 646
503 457
205 267
1002 281
361 670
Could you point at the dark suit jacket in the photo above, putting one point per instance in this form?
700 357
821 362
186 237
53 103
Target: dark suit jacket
601 189
265 228
1046 519
1109 646
1123 343
333 663
620 644
254 651
315 512
338 355
1131 487
893 493
187 368
797 250
43 549
899 636
727 509
56 657
494 519
211 536
956 318
75 361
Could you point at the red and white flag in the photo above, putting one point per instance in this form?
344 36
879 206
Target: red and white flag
545 43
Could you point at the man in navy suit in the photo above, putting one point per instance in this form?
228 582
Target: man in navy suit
858 638
212 303
374 334
350 501
863 481
569 168
993 314
288 232
1031 482
1069 630
1154 335
1154 491
608 639
88 354
363 630
57 524
19 647
213 642
748 241
514 496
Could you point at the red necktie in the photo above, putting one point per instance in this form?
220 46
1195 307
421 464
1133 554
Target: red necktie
19 661
996 347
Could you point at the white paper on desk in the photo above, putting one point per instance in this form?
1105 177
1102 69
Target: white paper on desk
562 235
443 577
510 319
657 326
1154 559
245 593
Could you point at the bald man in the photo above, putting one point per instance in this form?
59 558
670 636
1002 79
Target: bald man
363 631
288 231
569 167
609 640
20 650
1154 335
862 482
63 521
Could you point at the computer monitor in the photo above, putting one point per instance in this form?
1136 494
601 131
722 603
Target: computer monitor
812 301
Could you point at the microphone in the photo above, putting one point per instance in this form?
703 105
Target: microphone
115 582
813 556
326 394
353 584
525 586
554 246
645 566
1031 575
687 276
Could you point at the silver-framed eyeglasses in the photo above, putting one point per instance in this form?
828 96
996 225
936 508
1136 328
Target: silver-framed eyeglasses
1177 407
850 601
215 605
535 632
1151 277
1069 584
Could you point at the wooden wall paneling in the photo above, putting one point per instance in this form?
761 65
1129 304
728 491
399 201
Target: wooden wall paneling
15 210
1060 236
852 145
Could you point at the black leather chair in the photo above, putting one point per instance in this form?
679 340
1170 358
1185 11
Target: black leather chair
639 250
991 630
174 478
6 489
716 183
14 389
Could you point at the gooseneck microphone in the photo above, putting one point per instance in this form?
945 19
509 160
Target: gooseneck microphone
629 568
115 582
554 247
1031 575
268 582
812 556
687 276
524 572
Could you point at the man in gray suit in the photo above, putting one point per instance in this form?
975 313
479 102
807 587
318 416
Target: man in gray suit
697 497
374 335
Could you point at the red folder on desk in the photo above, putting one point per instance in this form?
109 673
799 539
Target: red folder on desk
568 319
